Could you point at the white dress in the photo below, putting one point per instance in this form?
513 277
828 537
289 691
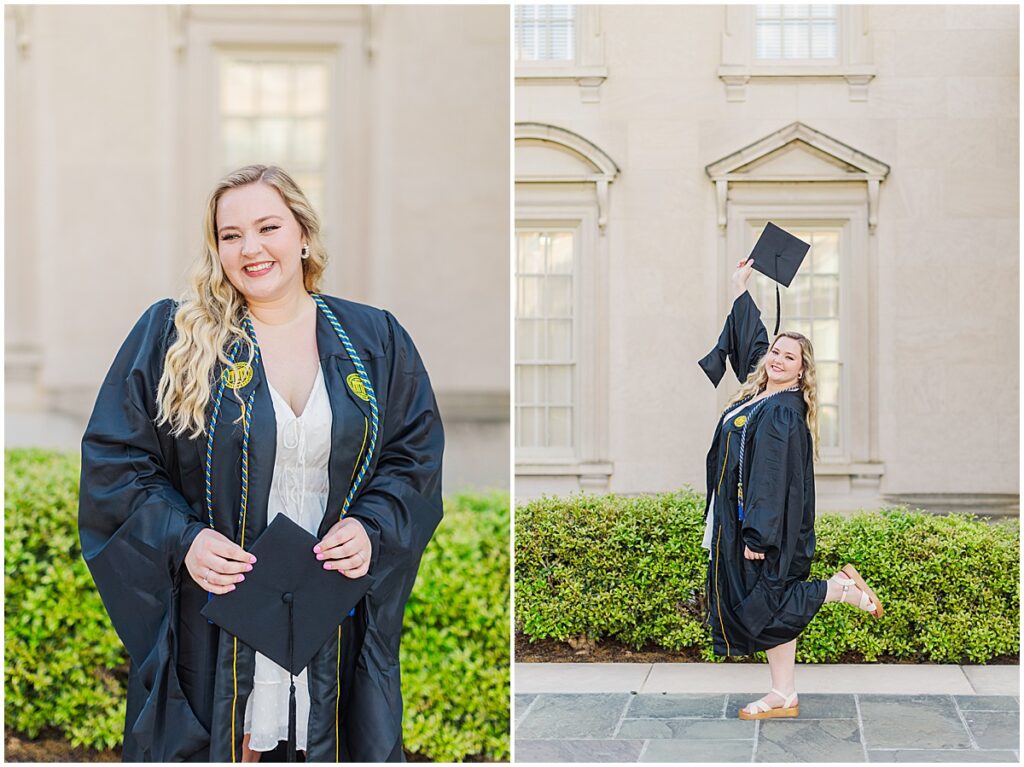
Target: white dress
299 491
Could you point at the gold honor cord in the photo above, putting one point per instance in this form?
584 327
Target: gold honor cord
718 598
337 701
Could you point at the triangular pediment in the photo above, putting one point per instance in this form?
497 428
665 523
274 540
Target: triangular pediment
798 153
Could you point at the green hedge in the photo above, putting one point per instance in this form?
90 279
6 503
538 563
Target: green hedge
633 570
66 668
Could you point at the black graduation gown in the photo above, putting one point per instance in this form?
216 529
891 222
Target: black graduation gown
759 604
142 504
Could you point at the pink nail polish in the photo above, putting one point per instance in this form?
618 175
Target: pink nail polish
241 578
319 556
231 589
252 560
248 568
316 549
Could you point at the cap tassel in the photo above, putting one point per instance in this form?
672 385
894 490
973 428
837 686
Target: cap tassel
291 679
778 298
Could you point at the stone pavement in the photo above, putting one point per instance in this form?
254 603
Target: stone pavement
638 713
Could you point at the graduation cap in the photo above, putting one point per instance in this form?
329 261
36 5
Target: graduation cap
778 255
288 605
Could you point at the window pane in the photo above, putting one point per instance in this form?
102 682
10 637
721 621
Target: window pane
560 427
238 89
545 32
530 253
274 89
560 258
825 252
825 296
528 299
559 297
239 147
798 326
311 89
559 385
310 142
796 298
527 384
529 339
273 141
528 427
828 382
828 426
559 341
826 339
796 32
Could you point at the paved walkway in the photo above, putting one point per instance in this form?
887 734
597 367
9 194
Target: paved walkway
623 712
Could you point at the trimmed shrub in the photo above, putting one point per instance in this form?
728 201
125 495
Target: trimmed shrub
65 665
455 648
633 570
66 668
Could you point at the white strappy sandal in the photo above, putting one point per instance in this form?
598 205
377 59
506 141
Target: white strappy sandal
869 602
760 709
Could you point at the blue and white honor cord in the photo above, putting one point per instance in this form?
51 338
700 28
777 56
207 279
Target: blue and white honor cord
247 419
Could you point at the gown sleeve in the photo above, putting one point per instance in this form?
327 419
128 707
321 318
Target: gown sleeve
744 341
135 526
401 503
773 502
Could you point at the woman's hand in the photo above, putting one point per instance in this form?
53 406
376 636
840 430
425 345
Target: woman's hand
748 554
216 563
741 275
346 548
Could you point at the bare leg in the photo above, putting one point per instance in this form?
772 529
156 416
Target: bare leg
782 665
248 755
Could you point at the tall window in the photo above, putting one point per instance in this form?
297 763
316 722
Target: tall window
275 110
811 306
797 32
545 353
545 32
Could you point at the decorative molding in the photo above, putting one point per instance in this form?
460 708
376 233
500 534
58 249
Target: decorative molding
589 79
603 169
834 161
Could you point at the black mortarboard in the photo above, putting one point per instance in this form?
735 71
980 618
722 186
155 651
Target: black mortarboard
778 255
288 604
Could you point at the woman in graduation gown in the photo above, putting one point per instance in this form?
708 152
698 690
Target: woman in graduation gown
760 511
180 465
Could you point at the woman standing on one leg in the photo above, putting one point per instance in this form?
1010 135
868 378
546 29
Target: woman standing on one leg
760 512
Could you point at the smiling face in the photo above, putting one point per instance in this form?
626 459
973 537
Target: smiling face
259 242
785 362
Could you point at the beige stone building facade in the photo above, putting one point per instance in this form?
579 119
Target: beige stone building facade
652 145
395 119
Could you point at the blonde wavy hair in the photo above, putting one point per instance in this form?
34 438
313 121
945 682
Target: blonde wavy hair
210 313
758 380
